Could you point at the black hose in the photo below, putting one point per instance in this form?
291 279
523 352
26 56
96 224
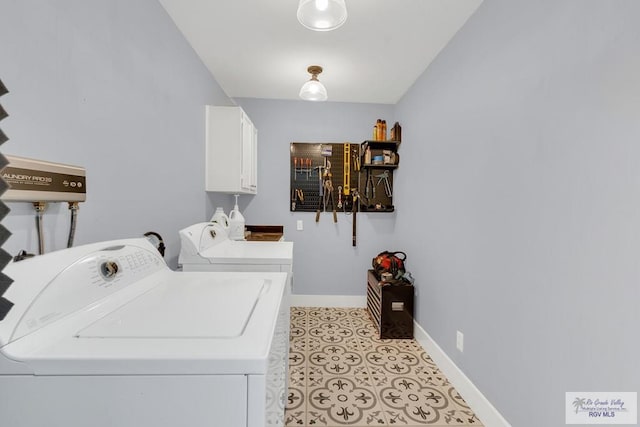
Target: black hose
161 248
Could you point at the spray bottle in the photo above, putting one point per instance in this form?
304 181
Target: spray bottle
236 223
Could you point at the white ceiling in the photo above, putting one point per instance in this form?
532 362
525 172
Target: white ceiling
258 49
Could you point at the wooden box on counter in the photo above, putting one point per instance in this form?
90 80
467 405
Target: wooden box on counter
390 306
264 233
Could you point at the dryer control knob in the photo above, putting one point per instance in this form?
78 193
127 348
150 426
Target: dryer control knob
109 269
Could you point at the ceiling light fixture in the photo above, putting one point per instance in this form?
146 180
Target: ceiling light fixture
313 90
322 15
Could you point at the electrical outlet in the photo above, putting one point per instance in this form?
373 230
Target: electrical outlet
460 341
299 225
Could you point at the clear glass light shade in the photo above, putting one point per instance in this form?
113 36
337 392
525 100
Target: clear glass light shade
313 90
322 15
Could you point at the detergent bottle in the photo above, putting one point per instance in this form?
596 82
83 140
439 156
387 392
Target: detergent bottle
221 218
236 223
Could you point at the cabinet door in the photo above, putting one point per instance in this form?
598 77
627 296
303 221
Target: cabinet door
249 166
254 161
247 157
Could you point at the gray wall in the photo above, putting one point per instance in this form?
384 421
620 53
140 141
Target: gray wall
325 261
519 196
110 85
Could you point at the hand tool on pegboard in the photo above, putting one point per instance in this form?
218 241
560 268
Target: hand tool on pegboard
297 195
295 168
346 170
293 200
320 194
384 178
355 155
354 210
327 196
370 187
326 150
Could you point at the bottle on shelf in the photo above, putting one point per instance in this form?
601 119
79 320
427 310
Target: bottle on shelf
396 132
367 156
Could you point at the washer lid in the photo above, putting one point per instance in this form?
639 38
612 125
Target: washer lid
192 309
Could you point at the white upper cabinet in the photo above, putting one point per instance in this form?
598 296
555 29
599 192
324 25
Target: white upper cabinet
231 151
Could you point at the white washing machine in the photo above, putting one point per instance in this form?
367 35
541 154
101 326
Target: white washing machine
206 247
107 335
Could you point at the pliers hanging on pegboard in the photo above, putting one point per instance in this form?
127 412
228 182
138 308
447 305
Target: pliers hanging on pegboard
328 197
369 188
384 178
326 193
297 195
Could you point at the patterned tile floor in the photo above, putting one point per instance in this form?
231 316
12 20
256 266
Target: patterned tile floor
341 374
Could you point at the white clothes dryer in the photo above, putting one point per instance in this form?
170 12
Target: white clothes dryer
107 335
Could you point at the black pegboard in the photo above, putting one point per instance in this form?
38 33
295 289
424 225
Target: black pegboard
307 164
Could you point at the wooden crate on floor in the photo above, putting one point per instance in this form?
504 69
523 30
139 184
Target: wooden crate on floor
390 306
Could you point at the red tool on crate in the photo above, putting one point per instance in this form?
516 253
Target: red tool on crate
389 263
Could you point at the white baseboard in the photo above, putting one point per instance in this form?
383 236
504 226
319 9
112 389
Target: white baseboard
486 412
329 300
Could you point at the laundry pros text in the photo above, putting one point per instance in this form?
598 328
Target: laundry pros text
28 178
